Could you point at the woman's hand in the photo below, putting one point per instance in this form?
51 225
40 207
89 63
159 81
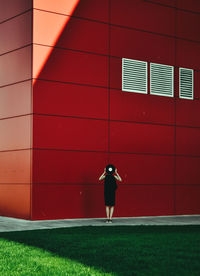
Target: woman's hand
117 176
103 175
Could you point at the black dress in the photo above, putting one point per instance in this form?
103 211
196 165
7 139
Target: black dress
110 187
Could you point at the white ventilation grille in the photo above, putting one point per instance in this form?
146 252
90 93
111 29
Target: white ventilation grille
161 80
134 76
186 83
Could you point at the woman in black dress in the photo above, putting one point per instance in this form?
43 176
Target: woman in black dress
110 176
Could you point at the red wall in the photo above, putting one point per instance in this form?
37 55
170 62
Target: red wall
15 108
81 118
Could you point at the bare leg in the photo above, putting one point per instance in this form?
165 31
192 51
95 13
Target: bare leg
111 211
107 211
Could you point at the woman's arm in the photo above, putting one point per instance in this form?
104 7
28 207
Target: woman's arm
117 176
103 175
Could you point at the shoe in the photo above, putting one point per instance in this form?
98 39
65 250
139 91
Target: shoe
110 220
107 221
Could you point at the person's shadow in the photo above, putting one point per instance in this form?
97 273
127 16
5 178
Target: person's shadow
92 200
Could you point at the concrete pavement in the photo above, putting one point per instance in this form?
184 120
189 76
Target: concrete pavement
12 224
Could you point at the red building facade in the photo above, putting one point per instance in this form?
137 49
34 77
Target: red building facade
64 116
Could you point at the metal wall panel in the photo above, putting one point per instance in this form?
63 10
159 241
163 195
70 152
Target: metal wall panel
16 133
65 133
186 112
143 15
192 5
15 167
187 54
187 170
15 200
187 141
68 167
141 138
10 8
70 66
15 100
188 25
70 100
16 66
130 43
187 199
91 9
141 108
16 33
143 169
69 32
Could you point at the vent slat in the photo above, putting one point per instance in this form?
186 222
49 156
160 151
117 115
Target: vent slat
134 76
161 80
186 83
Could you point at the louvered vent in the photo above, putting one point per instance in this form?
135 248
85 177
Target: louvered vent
186 83
134 76
161 80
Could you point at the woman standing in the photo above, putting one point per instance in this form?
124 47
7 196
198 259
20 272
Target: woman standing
110 175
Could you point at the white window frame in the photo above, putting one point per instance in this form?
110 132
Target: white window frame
187 69
146 71
161 94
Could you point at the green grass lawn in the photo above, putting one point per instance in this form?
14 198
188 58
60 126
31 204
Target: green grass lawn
120 251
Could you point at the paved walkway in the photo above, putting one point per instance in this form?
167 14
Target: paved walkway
12 224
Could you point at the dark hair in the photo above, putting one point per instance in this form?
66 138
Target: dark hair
110 169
